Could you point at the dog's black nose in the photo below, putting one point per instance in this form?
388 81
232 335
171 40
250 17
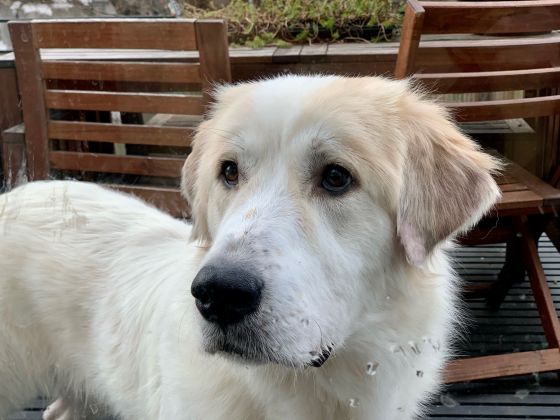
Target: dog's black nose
225 295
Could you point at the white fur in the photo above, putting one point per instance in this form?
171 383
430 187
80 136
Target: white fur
95 285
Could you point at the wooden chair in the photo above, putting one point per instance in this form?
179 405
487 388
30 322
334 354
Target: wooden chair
497 61
61 92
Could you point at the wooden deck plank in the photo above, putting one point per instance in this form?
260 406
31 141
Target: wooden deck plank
514 327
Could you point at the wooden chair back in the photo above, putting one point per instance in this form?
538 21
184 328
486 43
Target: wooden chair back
79 68
512 47
518 51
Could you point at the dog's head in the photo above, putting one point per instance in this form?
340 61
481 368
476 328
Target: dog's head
307 190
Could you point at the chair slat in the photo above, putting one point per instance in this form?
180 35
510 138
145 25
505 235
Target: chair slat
122 71
513 187
501 365
134 165
491 17
519 200
173 34
506 109
550 195
489 81
125 102
488 55
166 199
128 134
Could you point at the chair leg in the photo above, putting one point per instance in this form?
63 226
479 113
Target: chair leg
547 360
512 272
553 232
539 285
13 157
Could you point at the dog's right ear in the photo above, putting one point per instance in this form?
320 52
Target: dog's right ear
197 200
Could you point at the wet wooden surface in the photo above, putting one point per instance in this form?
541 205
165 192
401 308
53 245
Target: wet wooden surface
515 327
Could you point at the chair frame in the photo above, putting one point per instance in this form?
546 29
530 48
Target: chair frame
208 38
530 209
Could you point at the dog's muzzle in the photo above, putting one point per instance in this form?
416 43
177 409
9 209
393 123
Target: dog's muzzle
226 294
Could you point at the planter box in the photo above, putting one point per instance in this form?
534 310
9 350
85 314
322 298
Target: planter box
345 59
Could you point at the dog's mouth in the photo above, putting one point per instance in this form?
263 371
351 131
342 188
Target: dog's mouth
245 347
228 349
239 343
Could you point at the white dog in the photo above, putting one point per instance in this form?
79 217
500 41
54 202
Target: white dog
321 208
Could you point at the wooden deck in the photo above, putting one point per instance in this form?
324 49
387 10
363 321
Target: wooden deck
515 327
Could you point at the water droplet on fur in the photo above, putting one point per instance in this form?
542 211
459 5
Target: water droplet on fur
435 346
354 402
414 347
522 394
371 368
447 401
420 373
396 349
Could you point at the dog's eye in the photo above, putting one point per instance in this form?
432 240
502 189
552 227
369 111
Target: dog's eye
336 179
229 172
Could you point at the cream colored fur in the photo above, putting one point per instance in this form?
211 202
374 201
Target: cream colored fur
95 286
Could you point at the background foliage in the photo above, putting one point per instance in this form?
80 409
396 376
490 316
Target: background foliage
271 22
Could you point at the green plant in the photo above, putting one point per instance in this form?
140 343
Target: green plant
269 22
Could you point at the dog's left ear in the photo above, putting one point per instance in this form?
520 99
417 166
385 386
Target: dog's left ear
447 181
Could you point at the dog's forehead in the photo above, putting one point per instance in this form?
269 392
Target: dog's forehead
289 93
297 111
281 106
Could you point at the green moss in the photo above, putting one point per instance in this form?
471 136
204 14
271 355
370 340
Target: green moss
269 22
